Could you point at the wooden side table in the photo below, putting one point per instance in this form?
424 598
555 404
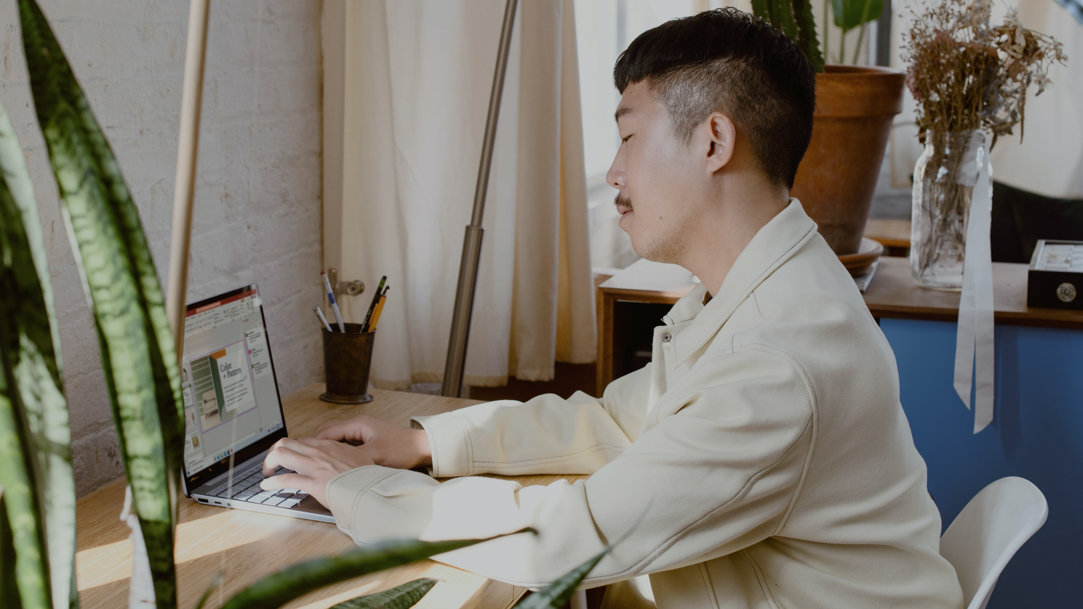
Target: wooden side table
893 233
633 301
630 303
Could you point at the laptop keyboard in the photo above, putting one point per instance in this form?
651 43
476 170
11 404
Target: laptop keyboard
245 487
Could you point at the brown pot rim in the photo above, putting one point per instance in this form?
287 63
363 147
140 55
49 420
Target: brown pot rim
859 91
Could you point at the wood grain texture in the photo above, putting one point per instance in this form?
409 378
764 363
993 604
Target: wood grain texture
242 546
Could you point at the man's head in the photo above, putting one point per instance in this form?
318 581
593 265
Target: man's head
729 62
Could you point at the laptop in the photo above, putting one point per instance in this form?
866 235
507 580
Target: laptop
232 409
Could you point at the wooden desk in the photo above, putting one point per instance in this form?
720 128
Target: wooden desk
244 546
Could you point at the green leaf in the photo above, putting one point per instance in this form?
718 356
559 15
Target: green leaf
400 597
278 589
217 579
35 441
558 593
138 354
22 514
9 587
849 14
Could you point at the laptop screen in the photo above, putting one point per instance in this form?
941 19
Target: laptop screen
231 399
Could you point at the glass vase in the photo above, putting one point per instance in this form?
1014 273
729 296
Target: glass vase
944 179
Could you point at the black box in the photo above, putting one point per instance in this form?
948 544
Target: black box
1055 276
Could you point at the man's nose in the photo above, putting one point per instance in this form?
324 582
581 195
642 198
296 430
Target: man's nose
615 176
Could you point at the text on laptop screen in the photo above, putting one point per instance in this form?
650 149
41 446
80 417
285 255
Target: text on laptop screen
230 395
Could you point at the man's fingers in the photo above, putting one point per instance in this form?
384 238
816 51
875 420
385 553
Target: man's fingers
281 481
349 431
282 454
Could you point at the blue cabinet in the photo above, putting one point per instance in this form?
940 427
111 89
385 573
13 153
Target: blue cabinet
1037 433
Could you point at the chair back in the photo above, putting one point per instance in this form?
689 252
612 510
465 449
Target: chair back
986 534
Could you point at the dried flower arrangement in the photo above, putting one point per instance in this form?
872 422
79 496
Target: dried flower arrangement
967 74
969 78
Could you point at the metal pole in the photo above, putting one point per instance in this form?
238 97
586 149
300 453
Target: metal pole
468 267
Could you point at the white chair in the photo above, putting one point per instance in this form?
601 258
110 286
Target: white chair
984 536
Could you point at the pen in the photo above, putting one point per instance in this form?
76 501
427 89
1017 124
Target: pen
323 320
376 314
334 305
375 301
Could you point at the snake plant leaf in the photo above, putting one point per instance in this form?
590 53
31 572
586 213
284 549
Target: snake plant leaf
849 14
402 596
137 349
279 588
558 593
208 591
35 440
9 587
22 522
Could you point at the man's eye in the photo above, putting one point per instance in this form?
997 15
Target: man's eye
625 139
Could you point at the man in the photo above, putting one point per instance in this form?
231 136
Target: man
762 459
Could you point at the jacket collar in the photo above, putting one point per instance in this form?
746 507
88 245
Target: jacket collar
773 245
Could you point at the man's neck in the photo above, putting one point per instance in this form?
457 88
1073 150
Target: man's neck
729 231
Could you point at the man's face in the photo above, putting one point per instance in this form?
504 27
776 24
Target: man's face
654 173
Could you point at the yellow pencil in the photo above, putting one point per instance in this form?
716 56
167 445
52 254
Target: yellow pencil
376 312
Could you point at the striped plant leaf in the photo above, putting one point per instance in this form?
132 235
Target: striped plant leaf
9 587
558 593
35 441
22 513
402 596
293 581
137 348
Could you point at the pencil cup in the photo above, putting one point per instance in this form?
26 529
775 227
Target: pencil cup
346 359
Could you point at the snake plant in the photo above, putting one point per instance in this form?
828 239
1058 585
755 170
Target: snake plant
37 493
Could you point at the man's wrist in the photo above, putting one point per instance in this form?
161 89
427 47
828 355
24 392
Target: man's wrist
422 447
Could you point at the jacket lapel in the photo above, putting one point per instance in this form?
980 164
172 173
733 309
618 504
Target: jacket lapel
772 246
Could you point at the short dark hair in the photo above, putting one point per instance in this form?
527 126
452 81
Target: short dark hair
729 61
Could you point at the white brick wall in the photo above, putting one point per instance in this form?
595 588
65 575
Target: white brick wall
257 216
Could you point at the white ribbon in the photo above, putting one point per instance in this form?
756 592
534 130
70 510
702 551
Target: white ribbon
974 354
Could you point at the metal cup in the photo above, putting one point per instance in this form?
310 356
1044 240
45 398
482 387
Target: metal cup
346 360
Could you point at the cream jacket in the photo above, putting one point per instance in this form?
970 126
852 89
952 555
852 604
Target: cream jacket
761 460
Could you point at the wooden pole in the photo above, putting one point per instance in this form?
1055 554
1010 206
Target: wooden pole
187 151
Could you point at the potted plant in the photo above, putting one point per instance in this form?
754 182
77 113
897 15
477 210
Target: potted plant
854 108
970 79
37 490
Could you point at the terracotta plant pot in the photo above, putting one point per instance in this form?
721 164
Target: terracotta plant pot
837 176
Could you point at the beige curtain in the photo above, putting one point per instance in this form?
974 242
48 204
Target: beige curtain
406 94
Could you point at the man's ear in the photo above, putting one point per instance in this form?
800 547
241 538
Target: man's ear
721 134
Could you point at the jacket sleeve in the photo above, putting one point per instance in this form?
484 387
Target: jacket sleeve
545 435
716 474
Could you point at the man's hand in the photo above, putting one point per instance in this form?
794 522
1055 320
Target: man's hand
386 443
340 446
314 462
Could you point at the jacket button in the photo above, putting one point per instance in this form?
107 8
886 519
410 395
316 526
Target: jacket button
666 337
